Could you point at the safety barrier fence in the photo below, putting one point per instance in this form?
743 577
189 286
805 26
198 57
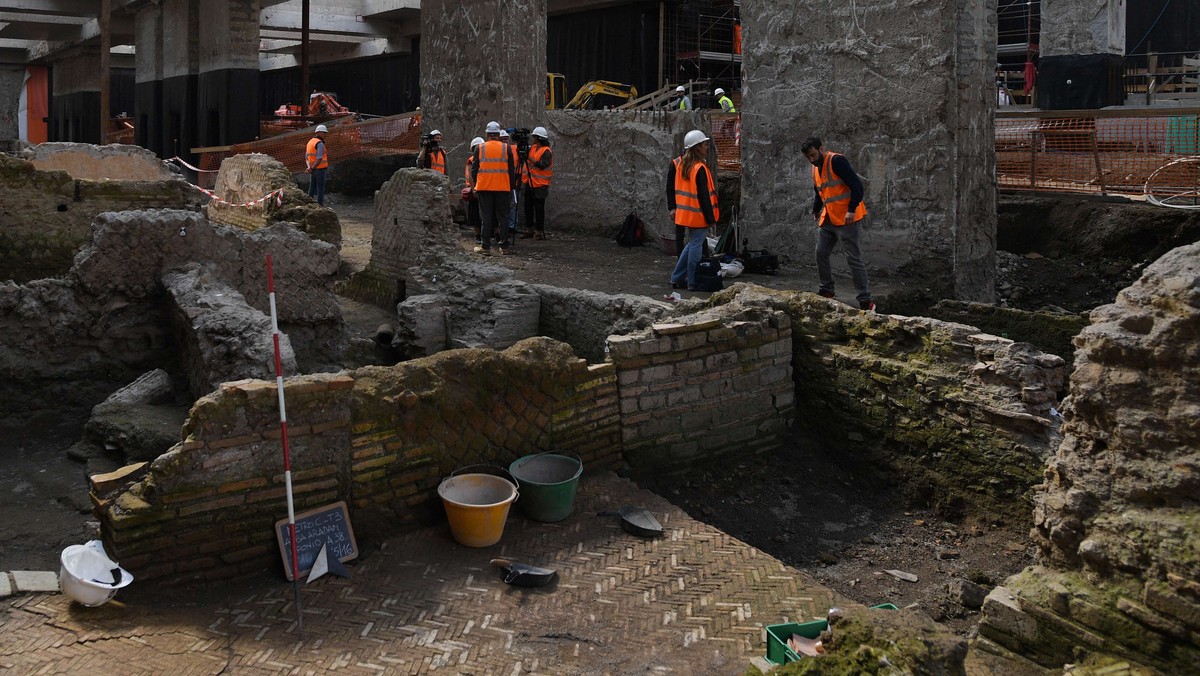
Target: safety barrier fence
727 134
346 140
1129 152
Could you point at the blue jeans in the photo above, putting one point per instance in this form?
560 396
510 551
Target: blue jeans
689 258
827 237
316 185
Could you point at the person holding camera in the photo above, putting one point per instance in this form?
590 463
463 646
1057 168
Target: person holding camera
536 172
493 181
432 155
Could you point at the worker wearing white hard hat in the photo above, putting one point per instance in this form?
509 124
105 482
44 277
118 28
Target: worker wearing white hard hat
433 156
468 193
493 180
316 163
692 201
724 101
536 173
683 102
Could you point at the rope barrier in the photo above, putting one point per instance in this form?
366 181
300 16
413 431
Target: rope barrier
195 169
1191 193
276 195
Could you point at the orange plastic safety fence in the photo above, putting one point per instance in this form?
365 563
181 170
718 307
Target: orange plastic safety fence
727 134
346 140
1100 153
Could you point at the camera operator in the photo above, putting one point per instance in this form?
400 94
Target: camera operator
536 171
432 156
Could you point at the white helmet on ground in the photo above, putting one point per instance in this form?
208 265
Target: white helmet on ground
493 127
692 138
680 89
321 128
719 92
540 132
478 140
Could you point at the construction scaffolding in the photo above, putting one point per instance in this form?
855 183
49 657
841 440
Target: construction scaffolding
702 43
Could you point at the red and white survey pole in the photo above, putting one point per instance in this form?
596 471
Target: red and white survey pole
287 455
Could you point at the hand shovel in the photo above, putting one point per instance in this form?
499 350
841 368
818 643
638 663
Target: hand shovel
524 575
637 521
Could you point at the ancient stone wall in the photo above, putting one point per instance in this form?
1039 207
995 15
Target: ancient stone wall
704 386
964 417
380 438
47 216
584 319
1082 27
609 163
412 224
72 341
114 162
242 183
1118 519
905 94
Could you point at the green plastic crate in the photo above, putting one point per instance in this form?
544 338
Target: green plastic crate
778 634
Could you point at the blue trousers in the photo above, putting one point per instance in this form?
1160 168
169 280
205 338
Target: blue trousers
316 185
689 258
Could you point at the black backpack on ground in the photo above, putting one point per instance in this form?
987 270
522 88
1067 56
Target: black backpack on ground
632 232
708 275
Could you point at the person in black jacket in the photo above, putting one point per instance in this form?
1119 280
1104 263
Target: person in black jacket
839 209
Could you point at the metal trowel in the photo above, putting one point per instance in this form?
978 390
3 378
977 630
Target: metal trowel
637 521
524 575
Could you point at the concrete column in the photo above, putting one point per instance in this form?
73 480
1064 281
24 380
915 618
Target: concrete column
481 60
1082 27
227 85
905 93
180 61
1082 42
148 77
75 97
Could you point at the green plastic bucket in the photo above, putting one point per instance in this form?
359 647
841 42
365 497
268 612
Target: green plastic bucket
548 484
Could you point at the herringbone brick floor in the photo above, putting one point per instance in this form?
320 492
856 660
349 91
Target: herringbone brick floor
695 601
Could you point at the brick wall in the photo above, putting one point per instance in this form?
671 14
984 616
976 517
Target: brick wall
244 179
704 387
381 439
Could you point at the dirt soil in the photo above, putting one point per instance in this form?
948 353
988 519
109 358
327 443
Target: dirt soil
814 511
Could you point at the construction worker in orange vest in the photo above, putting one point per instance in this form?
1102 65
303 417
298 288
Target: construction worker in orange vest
316 162
536 177
432 155
493 180
692 201
839 210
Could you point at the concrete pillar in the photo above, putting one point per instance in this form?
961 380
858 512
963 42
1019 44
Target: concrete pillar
75 97
180 59
148 78
481 60
906 94
1082 42
227 85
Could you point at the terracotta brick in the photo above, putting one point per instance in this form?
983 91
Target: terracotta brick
257 389
267 494
186 496
294 432
341 383
367 452
374 463
210 505
313 486
306 386
230 442
314 473
245 485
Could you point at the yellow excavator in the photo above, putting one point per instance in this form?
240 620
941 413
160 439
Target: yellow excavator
590 96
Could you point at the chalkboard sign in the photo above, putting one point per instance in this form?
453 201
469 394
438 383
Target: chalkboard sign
324 525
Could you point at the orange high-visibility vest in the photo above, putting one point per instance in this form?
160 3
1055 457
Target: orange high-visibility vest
494 175
467 169
687 200
310 154
835 194
539 178
437 160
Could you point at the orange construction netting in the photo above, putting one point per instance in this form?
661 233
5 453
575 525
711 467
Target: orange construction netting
727 134
1122 152
346 140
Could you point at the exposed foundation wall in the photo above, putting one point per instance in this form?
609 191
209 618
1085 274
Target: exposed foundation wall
48 216
380 438
609 163
1082 27
906 94
1117 520
114 162
705 386
72 341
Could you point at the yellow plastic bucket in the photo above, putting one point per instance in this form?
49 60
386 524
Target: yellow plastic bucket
477 507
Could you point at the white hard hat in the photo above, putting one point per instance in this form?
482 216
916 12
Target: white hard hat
718 92
503 133
435 132
476 141
321 128
680 89
692 138
493 127
540 132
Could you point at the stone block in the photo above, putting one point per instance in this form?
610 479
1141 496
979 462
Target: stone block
1002 613
6 586
34 581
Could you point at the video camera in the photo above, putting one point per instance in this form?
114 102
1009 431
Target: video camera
428 142
520 137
